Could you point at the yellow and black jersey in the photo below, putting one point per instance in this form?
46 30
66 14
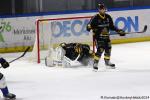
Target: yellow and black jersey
101 25
75 49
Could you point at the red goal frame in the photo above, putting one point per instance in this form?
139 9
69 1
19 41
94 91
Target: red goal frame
52 19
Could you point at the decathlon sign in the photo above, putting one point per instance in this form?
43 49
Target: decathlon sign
128 23
77 27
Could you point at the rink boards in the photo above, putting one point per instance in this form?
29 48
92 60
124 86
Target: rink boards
19 32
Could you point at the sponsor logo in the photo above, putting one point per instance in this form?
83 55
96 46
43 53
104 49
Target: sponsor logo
70 27
128 24
77 27
4 27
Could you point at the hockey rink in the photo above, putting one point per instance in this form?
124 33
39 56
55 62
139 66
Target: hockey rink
31 81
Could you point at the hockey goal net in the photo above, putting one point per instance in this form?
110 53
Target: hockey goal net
53 31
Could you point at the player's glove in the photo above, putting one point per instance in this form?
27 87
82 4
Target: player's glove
88 28
121 32
4 63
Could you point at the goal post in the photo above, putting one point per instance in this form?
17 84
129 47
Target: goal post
53 31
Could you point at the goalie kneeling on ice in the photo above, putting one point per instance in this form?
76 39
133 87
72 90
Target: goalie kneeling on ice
67 53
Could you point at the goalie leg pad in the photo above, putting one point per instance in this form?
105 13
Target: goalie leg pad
55 57
59 54
49 62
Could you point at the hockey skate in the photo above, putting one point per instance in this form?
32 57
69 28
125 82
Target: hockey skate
109 65
95 66
10 96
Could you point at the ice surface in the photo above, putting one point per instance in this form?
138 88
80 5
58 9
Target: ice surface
32 81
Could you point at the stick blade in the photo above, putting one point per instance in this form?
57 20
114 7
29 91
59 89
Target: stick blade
144 30
25 51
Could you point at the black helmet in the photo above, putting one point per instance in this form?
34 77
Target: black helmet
101 6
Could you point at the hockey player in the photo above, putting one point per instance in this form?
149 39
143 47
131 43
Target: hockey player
101 24
70 52
77 51
3 85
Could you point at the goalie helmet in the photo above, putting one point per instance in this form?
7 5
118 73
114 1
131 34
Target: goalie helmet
63 44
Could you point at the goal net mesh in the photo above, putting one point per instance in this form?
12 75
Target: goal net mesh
51 32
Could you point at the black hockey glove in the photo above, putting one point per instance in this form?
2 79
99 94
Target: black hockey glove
4 63
121 32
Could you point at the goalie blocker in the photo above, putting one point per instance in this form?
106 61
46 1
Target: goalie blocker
67 54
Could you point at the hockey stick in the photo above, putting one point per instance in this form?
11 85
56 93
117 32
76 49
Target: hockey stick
69 61
94 44
143 31
19 56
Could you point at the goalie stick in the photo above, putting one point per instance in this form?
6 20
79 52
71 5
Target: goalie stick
19 56
67 62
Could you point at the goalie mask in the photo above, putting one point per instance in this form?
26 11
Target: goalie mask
62 44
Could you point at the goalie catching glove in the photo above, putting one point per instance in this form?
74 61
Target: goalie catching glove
121 32
4 63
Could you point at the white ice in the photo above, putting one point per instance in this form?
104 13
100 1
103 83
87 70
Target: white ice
32 81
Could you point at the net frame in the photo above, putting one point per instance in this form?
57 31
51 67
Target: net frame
38 21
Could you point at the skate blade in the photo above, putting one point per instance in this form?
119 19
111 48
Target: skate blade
95 70
110 67
11 99
8 99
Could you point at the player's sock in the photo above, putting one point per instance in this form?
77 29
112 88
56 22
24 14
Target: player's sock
5 91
